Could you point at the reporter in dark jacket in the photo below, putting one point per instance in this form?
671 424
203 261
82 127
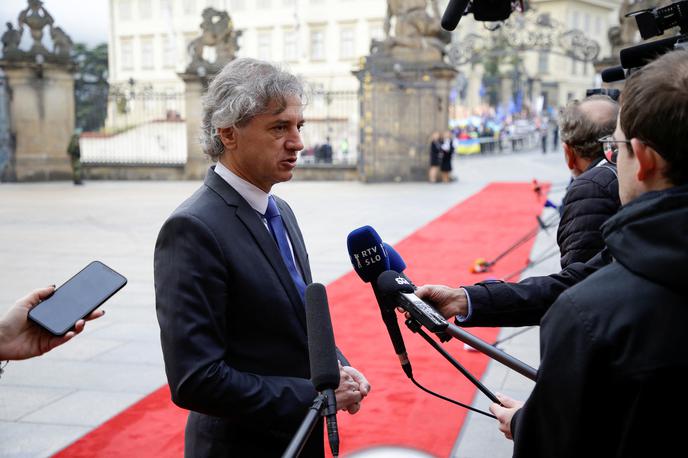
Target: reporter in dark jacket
593 196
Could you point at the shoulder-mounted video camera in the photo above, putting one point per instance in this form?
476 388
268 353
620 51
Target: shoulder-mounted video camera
651 23
613 94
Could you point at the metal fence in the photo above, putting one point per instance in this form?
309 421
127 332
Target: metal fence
330 135
142 127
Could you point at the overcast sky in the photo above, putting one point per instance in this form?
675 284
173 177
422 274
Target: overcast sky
83 20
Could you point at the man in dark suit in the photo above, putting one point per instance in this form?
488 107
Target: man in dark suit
230 271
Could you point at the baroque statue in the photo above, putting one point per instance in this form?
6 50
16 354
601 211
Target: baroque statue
217 30
416 33
36 18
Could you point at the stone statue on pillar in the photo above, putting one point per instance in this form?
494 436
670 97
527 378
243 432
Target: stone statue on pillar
36 18
404 93
217 31
42 102
415 31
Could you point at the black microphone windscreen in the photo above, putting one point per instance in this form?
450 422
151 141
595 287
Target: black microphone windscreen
321 348
391 282
452 15
637 56
611 74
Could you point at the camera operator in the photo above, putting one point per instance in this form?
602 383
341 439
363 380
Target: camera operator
613 349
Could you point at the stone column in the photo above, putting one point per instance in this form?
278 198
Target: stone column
41 119
197 162
401 104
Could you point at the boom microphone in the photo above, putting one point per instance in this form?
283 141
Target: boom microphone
452 15
369 259
323 356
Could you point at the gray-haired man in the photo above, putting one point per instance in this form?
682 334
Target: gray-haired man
230 270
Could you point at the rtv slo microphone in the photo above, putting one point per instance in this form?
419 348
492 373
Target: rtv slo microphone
369 259
323 356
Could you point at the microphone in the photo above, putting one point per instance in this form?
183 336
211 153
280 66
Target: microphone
396 262
612 74
323 356
391 283
637 56
452 15
369 259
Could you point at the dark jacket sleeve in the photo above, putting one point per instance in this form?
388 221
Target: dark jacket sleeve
590 200
193 304
525 303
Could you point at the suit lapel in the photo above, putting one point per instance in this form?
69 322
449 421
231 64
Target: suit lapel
249 217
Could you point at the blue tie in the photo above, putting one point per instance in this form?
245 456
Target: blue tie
276 225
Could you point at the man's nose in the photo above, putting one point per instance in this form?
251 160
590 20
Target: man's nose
294 141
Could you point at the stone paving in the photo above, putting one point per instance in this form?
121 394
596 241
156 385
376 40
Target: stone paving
49 231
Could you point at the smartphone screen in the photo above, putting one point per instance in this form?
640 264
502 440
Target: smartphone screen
77 298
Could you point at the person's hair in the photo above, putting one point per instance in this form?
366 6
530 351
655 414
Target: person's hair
244 89
654 109
581 131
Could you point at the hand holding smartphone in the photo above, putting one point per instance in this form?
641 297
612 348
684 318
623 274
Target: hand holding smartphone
77 298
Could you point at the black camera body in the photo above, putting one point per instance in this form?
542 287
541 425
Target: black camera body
613 94
654 22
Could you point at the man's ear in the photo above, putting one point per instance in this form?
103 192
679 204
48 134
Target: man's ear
228 137
647 159
569 156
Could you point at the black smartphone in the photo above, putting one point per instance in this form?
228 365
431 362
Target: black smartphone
77 298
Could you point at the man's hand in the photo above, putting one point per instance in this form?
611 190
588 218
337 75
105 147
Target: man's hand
505 413
22 339
353 387
448 301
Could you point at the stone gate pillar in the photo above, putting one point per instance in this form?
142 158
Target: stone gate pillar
401 103
41 107
197 162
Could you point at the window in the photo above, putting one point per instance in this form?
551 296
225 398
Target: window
598 25
264 45
147 57
124 10
237 5
376 31
586 22
543 62
317 44
189 7
166 9
290 46
264 4
169 56
288 2
211 4
145 9
126 51
347 42
574 66
575 20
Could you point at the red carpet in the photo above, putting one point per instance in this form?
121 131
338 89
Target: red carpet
396 412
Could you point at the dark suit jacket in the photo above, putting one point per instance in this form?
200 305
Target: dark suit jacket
233 327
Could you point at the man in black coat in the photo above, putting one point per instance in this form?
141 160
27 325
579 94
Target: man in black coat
593 195
613 349
230 271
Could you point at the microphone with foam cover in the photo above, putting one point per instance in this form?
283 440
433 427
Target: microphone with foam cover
452 15
323 356
612 74
369 259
